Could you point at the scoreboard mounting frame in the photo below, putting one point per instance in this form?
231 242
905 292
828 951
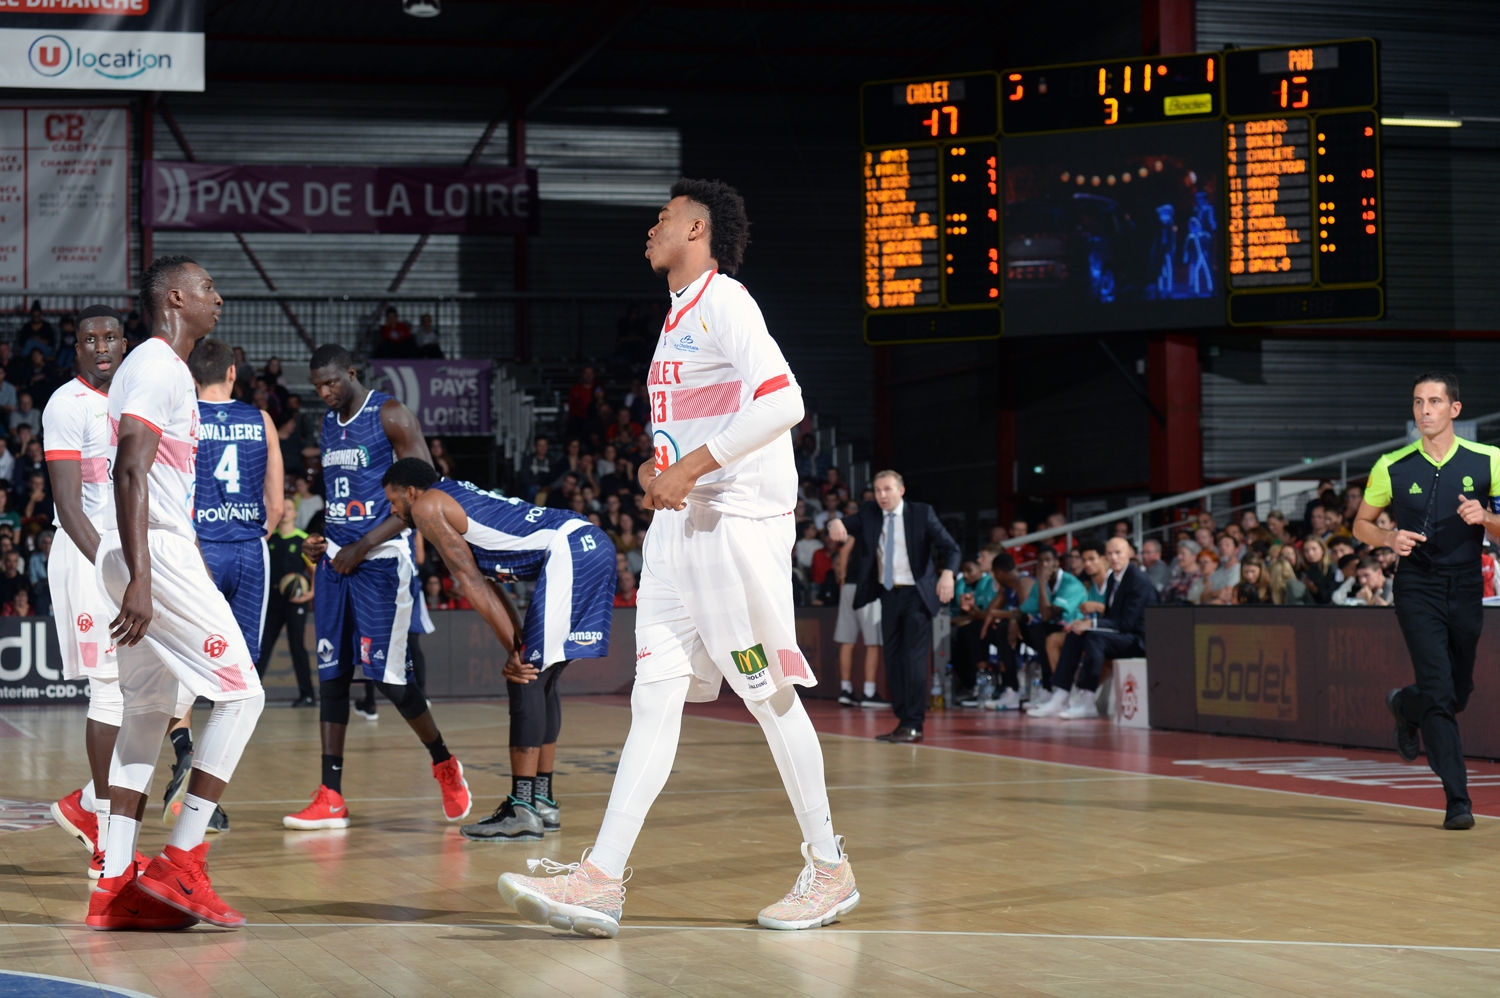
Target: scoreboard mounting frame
931 175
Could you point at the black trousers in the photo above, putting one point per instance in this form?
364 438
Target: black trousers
1036 634
906 630
1441 616
282 612
1083 655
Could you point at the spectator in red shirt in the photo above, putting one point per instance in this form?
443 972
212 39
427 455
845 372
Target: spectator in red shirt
1487 569
1024 554
580 403
822 560
623 428
625 589
396 339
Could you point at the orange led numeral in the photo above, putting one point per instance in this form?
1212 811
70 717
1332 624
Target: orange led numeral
1286 92
1111 110
1020 90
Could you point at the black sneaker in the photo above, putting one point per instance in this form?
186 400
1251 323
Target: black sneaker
511 822
1406 733
848 698
304 702
366 711
176 786
1460 816
218 821
551 814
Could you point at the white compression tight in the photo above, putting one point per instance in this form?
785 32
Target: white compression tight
218 752
651 747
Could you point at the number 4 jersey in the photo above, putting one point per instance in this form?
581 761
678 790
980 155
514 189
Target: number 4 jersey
719 379
231 503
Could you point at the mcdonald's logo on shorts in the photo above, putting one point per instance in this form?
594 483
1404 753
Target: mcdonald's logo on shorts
750 661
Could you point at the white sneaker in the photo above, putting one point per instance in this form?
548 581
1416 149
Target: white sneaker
1009 700
1081 707
1050 707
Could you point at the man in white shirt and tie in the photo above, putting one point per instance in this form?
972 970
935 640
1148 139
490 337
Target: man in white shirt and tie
905 538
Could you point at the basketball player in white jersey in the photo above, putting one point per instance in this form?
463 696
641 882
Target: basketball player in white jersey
173 625
76 429
715 599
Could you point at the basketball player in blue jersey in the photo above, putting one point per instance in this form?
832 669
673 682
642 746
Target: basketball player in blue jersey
481 538
237 501
239 494
364 582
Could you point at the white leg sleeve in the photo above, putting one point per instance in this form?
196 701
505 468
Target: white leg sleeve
799 758
136 749
645 763
226 734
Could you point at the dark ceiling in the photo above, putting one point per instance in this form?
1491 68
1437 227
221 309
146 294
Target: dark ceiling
813 46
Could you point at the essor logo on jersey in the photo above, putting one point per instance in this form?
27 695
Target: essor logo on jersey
750 661
585 637
214 646
351 510
364 650
85 623
325 650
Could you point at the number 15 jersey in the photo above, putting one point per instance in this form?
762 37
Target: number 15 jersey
719 379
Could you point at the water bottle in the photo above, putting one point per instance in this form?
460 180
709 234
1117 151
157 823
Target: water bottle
937 690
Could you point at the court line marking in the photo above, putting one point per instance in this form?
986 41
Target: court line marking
1118 778
1055 936
1101 769
108 989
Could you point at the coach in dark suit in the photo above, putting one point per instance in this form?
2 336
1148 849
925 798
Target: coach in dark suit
905 537
1119 632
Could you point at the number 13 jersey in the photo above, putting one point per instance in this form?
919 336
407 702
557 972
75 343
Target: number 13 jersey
719 379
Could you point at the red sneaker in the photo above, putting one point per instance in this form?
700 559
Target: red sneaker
180 878
74 819
327 810
120 904
96 865
457 801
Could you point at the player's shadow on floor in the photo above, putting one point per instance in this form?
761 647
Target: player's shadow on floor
1345 815
20 871
363 911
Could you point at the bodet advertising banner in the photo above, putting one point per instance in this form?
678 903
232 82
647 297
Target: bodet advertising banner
102 44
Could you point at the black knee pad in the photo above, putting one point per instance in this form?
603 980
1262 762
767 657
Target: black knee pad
535 710
333 695
407 698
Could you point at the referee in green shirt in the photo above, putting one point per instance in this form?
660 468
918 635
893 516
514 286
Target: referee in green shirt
1440 491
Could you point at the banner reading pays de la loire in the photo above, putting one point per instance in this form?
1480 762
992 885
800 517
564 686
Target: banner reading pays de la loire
31 664
102 44
218 197
449 397
64 198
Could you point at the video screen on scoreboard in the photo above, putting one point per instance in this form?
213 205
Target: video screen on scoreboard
1114 230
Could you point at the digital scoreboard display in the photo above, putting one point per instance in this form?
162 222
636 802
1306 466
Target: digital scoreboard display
932 209
1151 193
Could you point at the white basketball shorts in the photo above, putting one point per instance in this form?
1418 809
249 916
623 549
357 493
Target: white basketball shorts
82 613
715 602
854 624
193 639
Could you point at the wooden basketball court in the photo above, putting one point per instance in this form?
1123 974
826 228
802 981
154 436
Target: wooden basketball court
981 873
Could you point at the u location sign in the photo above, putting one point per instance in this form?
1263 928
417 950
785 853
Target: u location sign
102 44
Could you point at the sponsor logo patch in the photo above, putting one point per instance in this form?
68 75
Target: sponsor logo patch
85 623
750 661
585 637
1468 483
214 646
1415 489
325 650
364 650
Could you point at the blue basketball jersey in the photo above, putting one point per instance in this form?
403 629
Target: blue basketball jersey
231 490
356 455
508 536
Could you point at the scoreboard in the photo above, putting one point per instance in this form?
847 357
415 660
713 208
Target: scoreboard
1161 192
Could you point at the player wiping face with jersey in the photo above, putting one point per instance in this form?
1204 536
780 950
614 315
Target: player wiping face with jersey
483 537
365 581
239 488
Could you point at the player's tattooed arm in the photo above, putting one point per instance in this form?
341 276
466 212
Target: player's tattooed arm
431 514
67 493
133 460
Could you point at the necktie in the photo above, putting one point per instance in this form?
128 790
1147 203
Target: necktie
889 576
1109 590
